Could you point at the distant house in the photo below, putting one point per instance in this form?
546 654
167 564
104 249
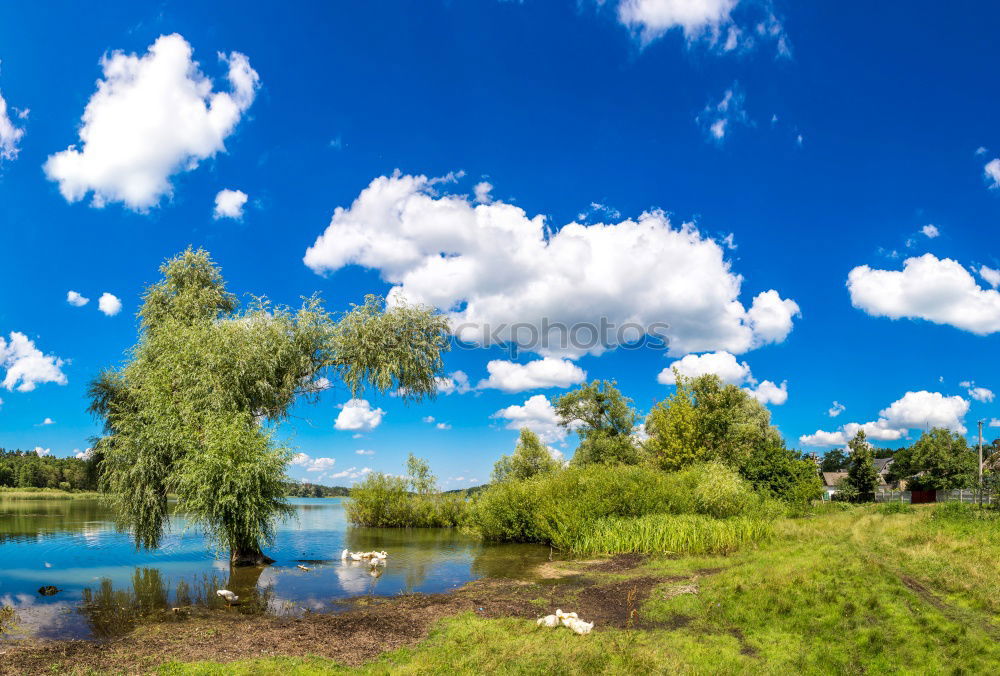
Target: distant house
830 482
883 465
831 479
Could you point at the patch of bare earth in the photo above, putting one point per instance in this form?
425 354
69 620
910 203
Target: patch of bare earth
369 627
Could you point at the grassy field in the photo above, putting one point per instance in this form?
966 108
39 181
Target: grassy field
848 590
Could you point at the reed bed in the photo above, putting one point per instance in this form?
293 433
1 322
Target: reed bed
43 494
671 534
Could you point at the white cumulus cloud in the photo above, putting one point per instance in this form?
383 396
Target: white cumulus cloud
540 373
39 451
722 364
310 464
538 415
350 473
767 392
229 204
982 394
109 304
937 290
914 411
10 135
992 172
482 192
930 231
652 18
730 372
456 382
836 409
498 273
75 299
152 116
990 276
707 20
26 365
358 414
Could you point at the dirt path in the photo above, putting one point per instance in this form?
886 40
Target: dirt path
370 627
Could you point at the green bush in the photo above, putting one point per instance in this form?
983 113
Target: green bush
670 534
384 501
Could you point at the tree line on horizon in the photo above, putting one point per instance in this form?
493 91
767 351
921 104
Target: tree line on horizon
27 469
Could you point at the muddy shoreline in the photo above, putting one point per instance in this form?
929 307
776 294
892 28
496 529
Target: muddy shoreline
368 628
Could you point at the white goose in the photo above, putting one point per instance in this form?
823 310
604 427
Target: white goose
229 596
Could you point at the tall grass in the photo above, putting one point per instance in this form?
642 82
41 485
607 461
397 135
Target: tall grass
670 534
561 508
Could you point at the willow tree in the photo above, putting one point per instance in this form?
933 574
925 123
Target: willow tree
192 411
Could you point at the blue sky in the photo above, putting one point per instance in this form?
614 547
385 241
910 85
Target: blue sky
824 139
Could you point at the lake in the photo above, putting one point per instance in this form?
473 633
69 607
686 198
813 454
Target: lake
106 587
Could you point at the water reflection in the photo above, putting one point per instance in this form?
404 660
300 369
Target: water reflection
107 587
111 612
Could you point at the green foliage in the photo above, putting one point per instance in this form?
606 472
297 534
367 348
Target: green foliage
862 478
604 420
387 501
671 534
941 460
530 458
398 348
190 412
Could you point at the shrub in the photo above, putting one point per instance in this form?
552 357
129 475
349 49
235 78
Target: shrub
505 512
383 501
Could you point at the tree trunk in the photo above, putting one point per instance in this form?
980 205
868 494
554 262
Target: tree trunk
250 557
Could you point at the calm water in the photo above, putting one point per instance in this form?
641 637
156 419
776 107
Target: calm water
106 587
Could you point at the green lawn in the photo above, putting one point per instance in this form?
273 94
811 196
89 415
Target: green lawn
850 590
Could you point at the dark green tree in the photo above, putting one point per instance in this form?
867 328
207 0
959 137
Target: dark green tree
192 411
834 461
862 477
